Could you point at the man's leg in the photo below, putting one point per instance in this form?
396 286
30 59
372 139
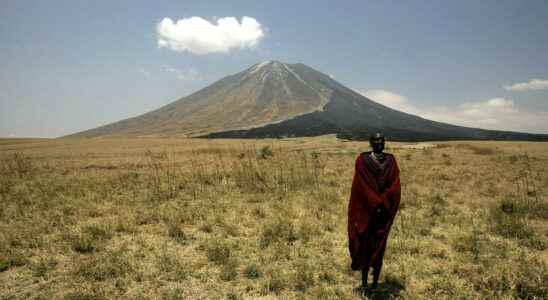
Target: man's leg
365 274
377 266
376 274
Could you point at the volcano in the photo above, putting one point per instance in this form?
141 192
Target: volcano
272 99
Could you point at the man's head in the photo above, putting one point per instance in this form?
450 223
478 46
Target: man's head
377 142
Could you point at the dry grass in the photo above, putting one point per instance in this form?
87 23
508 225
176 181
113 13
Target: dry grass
186 218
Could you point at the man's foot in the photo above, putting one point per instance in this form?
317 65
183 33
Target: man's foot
364 290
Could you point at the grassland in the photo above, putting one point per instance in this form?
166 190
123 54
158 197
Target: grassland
192 219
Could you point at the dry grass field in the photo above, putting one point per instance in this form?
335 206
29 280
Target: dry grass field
264 219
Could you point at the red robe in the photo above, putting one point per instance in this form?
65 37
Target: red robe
374 201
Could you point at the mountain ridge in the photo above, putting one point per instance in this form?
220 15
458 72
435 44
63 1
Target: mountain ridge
272 99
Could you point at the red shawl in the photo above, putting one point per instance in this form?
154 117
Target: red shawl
374 189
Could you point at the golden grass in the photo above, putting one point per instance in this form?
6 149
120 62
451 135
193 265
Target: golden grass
193 218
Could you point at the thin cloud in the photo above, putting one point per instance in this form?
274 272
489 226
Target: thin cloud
199 36
391 99
533 84
145 73
188 74
494 113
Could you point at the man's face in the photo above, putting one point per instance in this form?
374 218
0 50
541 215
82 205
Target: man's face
377 145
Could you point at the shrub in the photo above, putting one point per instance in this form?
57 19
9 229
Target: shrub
83 243
438 205
265 152
259 212
304 276
275 282
98 231
513 206
510 221
176 233
511 225
307 231
277 231
470 243
43 266
532 280
106 266
252 271
11 259
90 238
171 264
229 270
19 165
206 227
219 252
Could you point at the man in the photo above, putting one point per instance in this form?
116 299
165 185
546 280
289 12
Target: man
374 201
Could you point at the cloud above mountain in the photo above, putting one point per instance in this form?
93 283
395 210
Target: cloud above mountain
494 113
392 100
200 36
533 84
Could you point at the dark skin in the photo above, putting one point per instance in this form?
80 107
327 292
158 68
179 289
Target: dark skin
376 268
377 144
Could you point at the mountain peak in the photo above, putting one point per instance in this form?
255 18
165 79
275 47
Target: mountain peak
273 99
265 65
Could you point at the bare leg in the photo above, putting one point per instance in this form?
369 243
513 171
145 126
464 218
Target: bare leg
365 274
377 269
376 274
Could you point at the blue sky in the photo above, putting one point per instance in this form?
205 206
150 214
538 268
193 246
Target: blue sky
67 66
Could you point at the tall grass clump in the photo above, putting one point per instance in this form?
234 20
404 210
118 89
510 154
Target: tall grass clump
11 258
252 271
532 276
304 276
162 183
18 165
90 238
281 173
510 221
176 233
478 150
219 252
105 266
281 230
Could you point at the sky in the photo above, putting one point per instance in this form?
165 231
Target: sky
67 66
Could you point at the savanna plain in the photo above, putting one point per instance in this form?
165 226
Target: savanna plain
155 218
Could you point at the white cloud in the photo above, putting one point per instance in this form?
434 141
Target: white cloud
188 74
199 36
484 114
391 99
495 113
533 84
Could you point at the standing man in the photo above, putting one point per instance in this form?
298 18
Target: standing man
374 201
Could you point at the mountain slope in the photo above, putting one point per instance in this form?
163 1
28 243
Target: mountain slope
264 93
273 99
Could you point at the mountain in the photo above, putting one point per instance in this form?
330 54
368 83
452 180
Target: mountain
274 99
